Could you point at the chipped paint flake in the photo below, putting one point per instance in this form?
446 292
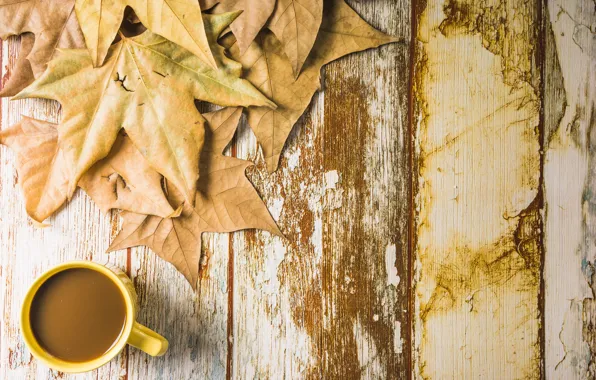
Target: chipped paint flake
267 280
294 158
390 258
331 179
276 207
333 192
398 342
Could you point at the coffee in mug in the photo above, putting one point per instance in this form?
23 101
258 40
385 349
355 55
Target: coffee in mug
79 315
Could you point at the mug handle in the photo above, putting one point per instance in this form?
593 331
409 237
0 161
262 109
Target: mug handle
147 340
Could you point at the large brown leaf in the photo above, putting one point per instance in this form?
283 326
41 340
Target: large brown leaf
124 180
296 24
40 165
267 67
254 16
179 21
54 25
147 86
226 202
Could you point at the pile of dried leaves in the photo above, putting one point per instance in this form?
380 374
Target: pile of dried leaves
127 74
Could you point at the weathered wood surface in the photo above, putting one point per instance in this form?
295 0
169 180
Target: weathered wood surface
570 188
478 224
330 300
437 199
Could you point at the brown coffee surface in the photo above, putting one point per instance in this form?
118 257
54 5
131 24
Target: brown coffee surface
78 314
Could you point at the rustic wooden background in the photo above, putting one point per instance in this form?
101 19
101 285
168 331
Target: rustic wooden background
438 197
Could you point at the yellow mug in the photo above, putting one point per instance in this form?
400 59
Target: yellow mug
133 333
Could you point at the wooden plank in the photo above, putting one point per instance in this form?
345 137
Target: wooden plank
194 323
570 180
331 300
78 231
478 253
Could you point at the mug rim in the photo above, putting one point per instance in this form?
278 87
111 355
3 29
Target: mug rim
63 365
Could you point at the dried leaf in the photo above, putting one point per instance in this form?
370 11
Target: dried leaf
254 16
147 86
296 24
179 21
40 165
226 202
124 180
53 23
215 25
266 66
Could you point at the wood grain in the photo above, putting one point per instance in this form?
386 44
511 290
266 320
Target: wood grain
194 323
331 300
570 180
426 235
478 249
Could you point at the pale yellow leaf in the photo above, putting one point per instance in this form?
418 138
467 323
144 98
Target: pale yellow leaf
40 165
179 21
146 86
122 180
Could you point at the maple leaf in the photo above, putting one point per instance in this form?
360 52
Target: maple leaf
45 25
254 16
146 86
267 67
296 24
226 202
124 180
179 21
40 165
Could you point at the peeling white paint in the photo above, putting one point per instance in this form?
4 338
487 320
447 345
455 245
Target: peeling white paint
390 258
276 207
398 342
331 179
333 193
316 239
267 279
294 159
